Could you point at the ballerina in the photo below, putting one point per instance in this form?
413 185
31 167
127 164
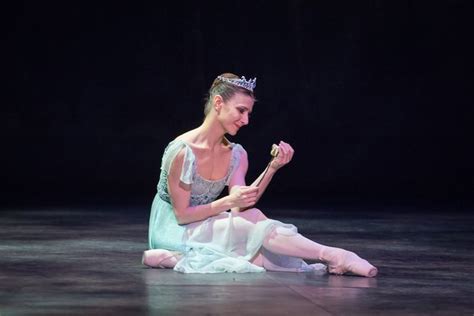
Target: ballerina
193 231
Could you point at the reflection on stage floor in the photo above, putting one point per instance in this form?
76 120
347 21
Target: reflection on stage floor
86 261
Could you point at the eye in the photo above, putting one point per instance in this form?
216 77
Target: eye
241 110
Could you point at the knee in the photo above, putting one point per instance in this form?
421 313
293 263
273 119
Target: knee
256 214
285 231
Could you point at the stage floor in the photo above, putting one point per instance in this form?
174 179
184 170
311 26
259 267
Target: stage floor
86 261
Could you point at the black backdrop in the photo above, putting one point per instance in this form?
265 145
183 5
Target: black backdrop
376 97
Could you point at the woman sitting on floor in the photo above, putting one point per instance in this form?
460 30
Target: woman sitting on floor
193 231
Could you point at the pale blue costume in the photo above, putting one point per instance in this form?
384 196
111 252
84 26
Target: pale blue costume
222 243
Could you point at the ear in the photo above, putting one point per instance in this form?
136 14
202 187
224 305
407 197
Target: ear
218 103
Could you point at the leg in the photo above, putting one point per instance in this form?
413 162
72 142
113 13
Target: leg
258 259
285 242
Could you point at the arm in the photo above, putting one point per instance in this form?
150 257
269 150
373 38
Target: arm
263 180
180 194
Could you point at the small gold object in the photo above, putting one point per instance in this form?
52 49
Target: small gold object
274 152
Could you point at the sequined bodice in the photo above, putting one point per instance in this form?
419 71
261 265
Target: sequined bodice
203 191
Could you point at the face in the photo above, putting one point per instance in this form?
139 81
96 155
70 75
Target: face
234 113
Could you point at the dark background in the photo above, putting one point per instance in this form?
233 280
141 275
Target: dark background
376 97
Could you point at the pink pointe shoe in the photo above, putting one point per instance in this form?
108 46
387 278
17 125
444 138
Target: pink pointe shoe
341 261
160 258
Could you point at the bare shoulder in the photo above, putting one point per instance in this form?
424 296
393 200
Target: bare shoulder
178 159
241 152
241 149
187 137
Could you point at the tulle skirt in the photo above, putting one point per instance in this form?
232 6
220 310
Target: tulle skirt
227 242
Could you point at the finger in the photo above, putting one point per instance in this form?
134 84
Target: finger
244 189
287 147
251 195
285 156
285 144
291 153
249 190
282 156
250 198
251 202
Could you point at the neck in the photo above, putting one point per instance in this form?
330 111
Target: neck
210 134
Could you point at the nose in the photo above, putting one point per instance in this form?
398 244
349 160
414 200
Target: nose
244 119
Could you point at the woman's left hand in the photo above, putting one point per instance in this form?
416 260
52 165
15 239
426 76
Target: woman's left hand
285 154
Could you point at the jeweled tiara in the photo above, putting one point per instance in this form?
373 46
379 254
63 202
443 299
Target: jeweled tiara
242 82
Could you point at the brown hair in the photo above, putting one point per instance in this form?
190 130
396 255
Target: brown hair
225 90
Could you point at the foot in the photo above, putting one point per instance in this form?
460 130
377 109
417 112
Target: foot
341 261
160 258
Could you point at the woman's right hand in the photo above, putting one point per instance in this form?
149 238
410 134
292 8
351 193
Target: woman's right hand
243 196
